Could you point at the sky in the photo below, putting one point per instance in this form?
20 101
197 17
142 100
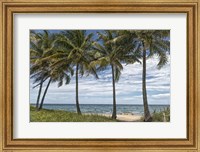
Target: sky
128 88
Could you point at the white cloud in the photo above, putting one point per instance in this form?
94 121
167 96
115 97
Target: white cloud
161 95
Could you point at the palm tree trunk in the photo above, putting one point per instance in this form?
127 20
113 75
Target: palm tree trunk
147 115
39 93
77 102
114 114
42 101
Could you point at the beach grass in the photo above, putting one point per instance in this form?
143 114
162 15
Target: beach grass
162 115
46 115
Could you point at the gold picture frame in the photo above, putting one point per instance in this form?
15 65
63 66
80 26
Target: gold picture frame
190 7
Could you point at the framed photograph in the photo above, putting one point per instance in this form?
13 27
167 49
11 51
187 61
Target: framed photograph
100 75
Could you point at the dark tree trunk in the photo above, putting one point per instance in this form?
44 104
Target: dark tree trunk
45 92
114 114
77 102
147 115
39 93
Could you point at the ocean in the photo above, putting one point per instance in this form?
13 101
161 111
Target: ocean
105 108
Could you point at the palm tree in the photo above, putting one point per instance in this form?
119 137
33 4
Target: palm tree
114 47
151 43
43 45
75 48
38 69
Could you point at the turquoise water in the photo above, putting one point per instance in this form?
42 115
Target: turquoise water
105 108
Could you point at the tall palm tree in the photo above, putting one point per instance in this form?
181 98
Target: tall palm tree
43 45
151 43
76 51
39 44
113 49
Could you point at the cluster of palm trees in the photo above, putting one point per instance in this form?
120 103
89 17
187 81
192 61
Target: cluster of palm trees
56 57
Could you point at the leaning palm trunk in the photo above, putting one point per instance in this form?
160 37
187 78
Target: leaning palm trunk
114 114
45 92
147 115
77 102
39 93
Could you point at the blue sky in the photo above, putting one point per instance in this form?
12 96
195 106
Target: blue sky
128 89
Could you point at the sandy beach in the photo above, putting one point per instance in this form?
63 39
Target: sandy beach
126 117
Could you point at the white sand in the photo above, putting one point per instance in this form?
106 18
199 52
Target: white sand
126 117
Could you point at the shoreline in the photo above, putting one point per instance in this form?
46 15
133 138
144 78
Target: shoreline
125 117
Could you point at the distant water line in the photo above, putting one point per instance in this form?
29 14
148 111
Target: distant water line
105 108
